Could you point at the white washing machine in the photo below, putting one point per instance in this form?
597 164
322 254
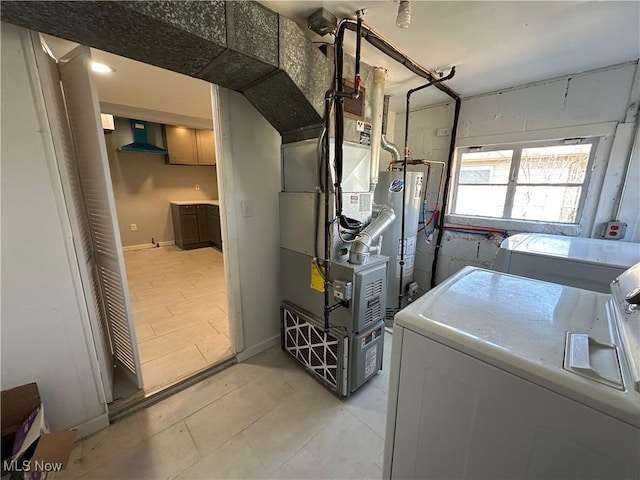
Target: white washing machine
498 376
588 263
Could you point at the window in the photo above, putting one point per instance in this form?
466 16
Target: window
534 182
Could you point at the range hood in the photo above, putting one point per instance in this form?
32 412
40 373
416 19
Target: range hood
140 142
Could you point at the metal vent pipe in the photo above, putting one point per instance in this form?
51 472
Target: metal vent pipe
377 101
359 252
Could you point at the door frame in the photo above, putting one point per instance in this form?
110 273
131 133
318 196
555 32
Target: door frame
228 215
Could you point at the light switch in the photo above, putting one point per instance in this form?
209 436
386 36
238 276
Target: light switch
247 208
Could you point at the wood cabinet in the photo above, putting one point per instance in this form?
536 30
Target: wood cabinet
188 146
196 226
190 226
215 233
206 147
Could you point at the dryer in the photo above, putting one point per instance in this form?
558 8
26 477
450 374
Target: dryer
498 376
588 263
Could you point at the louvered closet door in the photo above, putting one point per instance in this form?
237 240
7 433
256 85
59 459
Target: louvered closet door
93 168
74 200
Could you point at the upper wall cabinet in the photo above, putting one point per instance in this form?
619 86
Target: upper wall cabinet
188 146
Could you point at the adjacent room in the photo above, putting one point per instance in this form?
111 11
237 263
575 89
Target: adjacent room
348 239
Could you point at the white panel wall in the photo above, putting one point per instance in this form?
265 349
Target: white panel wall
45 328
596 97
250 166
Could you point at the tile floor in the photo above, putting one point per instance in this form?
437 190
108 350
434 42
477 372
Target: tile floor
265 418
179 304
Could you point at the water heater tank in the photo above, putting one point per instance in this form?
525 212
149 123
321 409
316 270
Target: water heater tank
389 191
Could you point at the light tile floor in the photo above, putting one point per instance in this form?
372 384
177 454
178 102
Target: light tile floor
265 418
179 304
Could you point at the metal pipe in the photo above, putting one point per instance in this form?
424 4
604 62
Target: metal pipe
360 249
391 148
377 107
384 143
404 174
445 193
327 178
386 47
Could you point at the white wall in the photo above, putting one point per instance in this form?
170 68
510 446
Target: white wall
249 164
45 328
595 101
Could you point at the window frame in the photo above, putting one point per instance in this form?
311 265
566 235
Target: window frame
512 182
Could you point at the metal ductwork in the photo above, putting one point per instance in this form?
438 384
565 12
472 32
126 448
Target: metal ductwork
391 148
360 249
384 143
242 46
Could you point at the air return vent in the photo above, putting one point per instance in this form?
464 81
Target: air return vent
354 107
322 354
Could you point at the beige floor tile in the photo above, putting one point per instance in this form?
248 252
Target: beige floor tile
346 447
175 408
297 420
160 457
103 446
234 459
215 348
222 420
153 291
369 404
151 314
172 367
178 322
140 305
160 346
144 332
301 465
208 303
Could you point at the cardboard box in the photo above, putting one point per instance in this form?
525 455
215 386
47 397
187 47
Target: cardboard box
29 450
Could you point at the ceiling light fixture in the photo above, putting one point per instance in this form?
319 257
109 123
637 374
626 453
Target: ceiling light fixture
404 14
101 67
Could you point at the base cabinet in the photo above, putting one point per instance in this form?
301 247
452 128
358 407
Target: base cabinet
195 227
215 234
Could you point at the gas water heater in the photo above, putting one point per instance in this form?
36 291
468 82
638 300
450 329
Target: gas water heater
393 191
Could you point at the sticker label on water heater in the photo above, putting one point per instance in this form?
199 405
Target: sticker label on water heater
418 193
396 186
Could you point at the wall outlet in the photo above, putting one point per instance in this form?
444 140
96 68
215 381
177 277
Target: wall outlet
247 208
134 227
197 186
614 230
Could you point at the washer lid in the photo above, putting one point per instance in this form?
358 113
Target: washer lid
589 250
520 325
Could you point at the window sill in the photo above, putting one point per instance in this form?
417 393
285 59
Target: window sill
511 225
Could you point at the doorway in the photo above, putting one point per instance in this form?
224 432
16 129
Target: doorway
177 297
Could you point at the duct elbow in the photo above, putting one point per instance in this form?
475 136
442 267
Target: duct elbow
391 148
361 247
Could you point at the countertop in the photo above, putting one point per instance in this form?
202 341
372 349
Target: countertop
195 202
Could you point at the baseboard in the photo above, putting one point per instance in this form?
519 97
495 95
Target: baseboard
144 246
247 353
92 426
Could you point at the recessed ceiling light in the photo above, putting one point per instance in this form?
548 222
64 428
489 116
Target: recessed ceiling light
101 67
